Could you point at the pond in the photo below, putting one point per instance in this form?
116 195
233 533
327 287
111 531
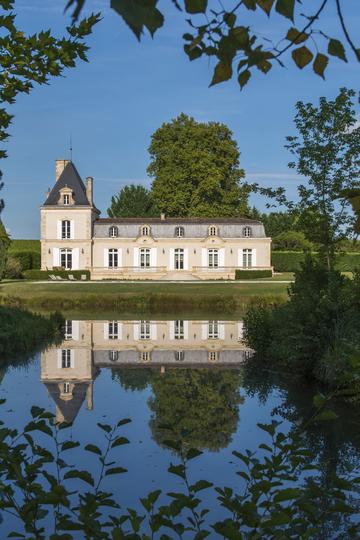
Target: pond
192 375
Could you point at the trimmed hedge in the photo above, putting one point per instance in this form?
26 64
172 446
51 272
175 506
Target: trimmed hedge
44 274
252 274
29 260
290 261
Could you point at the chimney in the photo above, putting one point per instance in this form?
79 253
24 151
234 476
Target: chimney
162 217
60 165
89 189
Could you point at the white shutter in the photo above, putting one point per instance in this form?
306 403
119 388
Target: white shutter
171 260
120 263
72 358
204 257
222 257
75 330
153 331
240 257
56 257
75 259
253 262
136 257
172 329
153 257
186 329
204 330
59 357
119 330
72 229
106 331
240 330
186 259
221 330
136 329
59 229
106 258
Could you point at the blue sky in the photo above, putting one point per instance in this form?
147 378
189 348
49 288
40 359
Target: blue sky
113 104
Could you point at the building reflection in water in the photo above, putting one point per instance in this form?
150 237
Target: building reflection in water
69 370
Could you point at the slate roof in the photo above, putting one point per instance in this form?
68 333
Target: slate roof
69 178
69 408
174 220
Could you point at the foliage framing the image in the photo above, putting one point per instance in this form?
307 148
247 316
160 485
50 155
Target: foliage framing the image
274 499
229 34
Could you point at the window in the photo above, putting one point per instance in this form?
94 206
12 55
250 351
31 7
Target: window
213 330
179 356
144 258
145 357
66 388
66 358
113 232
113 330
212 230
113 356
66 259
65 229
179 330
247 258
179 232
179 259
247 232
213 258
145 330
212 356
68 329
113 258
248 354
66 200
145 230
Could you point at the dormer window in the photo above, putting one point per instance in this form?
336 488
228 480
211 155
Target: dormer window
113 232
179 232
247 232
66 199
145 230
212 230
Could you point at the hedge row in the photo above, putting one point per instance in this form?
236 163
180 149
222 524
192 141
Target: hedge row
45 274
252 274
28 260
290 261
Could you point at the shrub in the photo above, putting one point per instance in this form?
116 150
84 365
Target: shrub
44 274
292 240
12 268
290 261
252 274
28 260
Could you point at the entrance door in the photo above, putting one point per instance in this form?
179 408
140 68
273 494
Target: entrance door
179 259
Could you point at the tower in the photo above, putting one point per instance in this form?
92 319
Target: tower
67 218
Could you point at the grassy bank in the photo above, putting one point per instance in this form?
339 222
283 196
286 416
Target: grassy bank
141 297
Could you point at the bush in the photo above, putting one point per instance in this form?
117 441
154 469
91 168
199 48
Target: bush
12 269
290 261
292 240
252 274
44 274
29 260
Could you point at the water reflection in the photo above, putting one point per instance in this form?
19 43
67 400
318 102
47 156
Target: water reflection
153 348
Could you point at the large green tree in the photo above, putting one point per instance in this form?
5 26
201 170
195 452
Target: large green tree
132 201
327 152
239 41
195 170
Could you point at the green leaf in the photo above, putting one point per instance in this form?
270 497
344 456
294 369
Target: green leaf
266 5
327 414
85 476
104 427
230 19
222 72
193 453
138 14
120 441
244 77
93 448
36 411
295 36
178 470
302 56
336 48
68 445
123 421
250 4
286 8
287 494
115 470
200 485
196 6
319 400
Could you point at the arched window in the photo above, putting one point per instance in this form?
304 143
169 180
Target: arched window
145 230
179 356
247 232
113 356
113 232
179 232
212 230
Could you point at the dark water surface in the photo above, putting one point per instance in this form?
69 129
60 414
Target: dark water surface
187 374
